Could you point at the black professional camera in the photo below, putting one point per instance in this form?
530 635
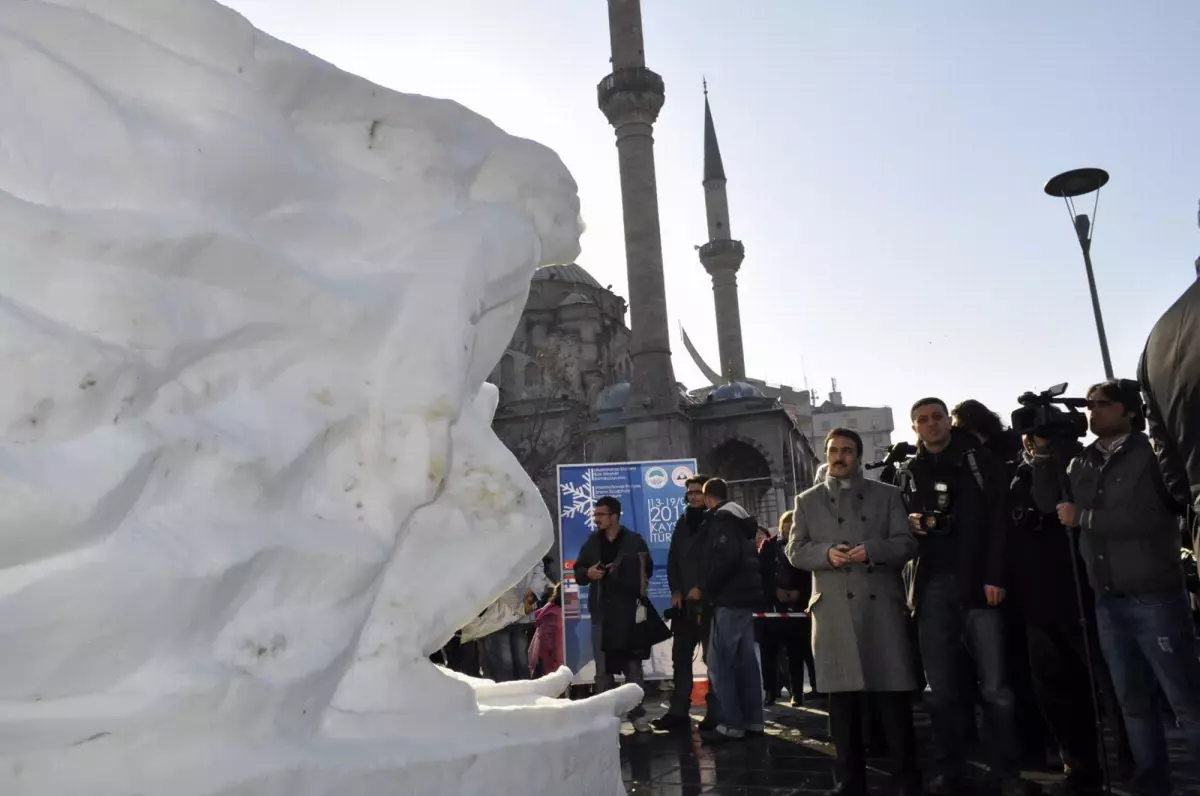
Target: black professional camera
896 453
1040 416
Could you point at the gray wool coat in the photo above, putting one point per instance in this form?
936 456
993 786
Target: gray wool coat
859 612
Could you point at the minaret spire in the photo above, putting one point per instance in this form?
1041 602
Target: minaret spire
631 98
721 256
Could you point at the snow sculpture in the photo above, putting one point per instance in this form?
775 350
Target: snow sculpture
247 478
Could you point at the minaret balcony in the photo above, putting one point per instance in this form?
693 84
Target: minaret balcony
722 254
629 95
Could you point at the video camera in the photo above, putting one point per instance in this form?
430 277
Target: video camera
896 453
1040 416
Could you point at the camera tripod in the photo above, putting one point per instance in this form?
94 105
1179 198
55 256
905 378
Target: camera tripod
1064 484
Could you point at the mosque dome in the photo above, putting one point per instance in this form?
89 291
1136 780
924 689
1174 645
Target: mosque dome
575 298
613 397
735 390
570 272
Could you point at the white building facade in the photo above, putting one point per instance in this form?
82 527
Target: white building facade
873 423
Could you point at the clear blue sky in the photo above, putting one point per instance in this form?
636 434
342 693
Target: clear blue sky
885 162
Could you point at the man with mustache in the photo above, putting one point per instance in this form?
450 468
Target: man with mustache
852 534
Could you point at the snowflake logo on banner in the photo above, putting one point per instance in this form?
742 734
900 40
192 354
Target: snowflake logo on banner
582 498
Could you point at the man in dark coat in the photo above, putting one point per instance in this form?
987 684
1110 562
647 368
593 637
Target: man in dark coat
734 587
615 564
1033 736
687 565
1170 377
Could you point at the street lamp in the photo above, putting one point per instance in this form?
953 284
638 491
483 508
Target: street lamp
1069 185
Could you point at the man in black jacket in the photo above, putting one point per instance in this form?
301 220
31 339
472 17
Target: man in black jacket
1033 736
615 565
956 498
686 567
734 587
1129 541
1170 377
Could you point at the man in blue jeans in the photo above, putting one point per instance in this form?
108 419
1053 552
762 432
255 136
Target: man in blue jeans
1129 539
734 588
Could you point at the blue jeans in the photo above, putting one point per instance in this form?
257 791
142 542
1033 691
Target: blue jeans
734 671
1148 642
944 626
506 654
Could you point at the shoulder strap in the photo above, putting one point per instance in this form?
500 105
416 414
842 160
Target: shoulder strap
974 465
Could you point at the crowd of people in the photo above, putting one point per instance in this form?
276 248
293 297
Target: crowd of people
1026 578
1035 580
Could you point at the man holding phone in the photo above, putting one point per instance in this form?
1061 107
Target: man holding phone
614 563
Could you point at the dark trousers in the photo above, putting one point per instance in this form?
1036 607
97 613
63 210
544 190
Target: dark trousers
848 720
945 626
1033 735
794 636
689 631
1060 683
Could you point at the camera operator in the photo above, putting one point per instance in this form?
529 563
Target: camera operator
1129 541
1044 590
956 498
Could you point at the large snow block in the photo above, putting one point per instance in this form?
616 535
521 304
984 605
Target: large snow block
247 477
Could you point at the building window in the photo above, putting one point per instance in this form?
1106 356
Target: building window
824 425
852 422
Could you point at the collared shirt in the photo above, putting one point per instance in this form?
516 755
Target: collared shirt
1108 451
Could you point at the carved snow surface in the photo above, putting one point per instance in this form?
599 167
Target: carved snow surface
247 476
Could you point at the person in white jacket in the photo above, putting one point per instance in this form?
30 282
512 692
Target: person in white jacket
502 629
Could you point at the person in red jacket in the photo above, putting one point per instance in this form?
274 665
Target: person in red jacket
546 648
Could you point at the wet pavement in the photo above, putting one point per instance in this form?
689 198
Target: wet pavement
794 758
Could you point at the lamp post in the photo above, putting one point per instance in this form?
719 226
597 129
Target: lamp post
1069 185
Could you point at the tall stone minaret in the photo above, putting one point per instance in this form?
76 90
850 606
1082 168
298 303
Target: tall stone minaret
722 256
631 98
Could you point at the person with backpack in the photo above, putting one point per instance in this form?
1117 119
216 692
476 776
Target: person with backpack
733 586
955 493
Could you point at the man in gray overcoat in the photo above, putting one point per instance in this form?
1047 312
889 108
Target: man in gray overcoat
853 535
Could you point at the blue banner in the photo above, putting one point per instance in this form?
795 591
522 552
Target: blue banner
653 497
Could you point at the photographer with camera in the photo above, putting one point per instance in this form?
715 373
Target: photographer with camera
1129 541
955 495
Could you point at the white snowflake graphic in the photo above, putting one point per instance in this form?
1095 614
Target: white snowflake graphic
582 498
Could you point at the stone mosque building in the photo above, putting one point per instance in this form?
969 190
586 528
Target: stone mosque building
577 384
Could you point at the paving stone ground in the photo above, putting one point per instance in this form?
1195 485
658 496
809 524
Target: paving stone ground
795 758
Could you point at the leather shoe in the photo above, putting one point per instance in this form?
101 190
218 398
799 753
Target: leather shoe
672 721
